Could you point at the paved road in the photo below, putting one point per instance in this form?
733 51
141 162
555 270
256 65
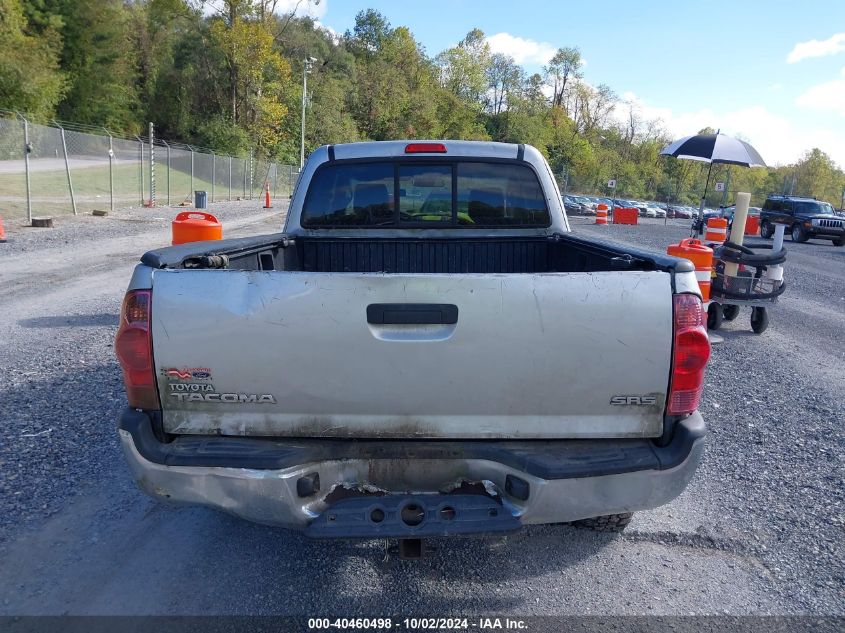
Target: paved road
49 164
78 538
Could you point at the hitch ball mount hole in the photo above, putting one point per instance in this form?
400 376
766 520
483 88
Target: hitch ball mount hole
412 514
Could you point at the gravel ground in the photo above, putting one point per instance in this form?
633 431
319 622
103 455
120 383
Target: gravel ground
62 290
90 231
759 530
775 407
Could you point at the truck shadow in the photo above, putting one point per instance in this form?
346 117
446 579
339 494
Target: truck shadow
94 515
458 576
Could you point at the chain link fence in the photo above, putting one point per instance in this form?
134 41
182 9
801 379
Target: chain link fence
62 168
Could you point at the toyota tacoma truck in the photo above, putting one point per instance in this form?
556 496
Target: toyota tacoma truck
426 349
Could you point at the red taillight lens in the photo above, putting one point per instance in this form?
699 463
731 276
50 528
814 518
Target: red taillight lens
134 348
425 148
690 356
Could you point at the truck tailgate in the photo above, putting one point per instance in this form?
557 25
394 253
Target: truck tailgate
308 354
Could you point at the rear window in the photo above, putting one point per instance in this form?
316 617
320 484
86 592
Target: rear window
415 194
779 206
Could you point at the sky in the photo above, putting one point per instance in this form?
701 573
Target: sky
769 71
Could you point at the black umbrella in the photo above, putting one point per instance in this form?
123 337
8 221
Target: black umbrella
714 148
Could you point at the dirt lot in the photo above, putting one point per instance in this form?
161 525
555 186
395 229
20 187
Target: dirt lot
758 531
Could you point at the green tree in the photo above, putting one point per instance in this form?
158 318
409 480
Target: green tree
504 78
562 71
99 62
260 77
30 77
817 175
464 68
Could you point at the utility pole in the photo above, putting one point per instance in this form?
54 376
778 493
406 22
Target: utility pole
152 167
306 68
111 171
27 149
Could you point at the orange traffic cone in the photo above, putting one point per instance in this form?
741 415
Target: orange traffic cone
2 231
267 195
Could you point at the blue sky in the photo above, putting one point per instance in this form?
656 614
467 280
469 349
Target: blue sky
772 71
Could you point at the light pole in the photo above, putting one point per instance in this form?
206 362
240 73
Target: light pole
306 68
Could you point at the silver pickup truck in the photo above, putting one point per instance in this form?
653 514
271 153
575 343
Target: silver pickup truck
425 350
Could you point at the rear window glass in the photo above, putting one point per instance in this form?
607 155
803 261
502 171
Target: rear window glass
414 194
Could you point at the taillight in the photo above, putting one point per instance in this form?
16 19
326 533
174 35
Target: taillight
425 148
690 355
134 348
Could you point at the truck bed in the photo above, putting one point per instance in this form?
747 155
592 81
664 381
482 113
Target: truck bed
505 254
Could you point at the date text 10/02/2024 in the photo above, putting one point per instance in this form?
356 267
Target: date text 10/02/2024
418 624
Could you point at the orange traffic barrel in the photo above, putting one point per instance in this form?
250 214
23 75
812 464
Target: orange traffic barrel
601 214
717 230
701 257
196 226
752 225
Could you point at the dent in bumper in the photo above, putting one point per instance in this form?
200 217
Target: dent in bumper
270 496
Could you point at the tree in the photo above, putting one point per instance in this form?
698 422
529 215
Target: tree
30 78
504 78
562 71
817 175
261 78
370 32
464 68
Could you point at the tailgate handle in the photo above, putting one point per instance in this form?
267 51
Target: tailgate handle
412 314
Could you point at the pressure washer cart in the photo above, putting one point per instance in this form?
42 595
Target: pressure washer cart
745 277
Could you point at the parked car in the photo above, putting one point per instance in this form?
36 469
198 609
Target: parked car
588 205
728 212
806 218
699 224
646 211
387 368
573 206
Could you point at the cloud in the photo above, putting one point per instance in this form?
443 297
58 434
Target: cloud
310 8
777 139
334 35
825 97
523 51
314 9
817 48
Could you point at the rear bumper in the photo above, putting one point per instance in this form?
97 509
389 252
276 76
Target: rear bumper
329 488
